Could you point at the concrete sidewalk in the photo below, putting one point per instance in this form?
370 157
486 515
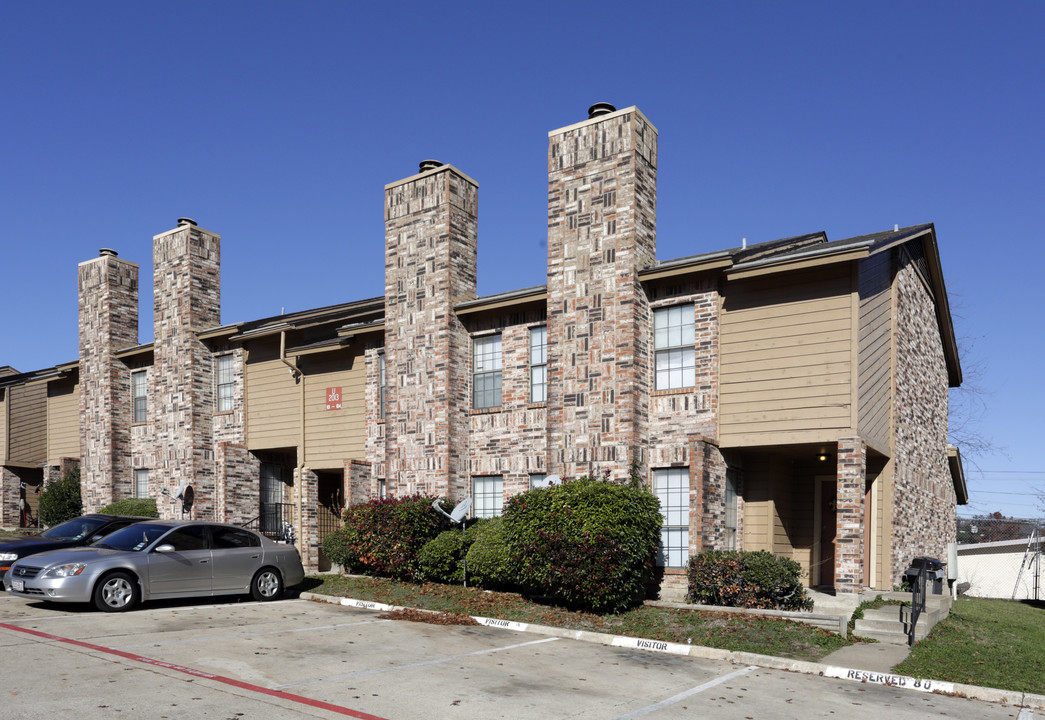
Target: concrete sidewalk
880 657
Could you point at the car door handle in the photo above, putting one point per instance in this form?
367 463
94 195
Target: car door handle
254 557
204 562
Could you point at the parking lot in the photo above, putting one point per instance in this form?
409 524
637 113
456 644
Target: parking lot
295 658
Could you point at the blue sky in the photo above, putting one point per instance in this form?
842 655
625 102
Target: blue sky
277 125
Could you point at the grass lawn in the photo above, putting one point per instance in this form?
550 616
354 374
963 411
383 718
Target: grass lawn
746 633
992 643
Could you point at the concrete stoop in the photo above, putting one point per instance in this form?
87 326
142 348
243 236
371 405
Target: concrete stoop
891 623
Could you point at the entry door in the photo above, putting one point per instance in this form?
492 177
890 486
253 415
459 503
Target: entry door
827 532
271 496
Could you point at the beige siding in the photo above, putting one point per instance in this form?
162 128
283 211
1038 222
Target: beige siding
63 420
28 436
273 400
787 357
875 351
334 435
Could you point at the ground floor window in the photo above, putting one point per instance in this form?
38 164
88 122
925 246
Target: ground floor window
487 496
671 486
141 483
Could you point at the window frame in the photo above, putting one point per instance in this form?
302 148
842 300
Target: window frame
230 383
382 385
139 486
673 484
539 365
487 371
674 346
492 490
140 400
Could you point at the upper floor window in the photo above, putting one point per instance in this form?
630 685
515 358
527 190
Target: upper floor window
226 383
381 385
673 340
486 371
139 398
539 364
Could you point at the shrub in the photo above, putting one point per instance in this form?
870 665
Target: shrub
385 537
138 507
440 560
589 543
746 579
489 564
338 548
60 500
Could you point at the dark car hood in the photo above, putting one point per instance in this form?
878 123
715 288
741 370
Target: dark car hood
32 544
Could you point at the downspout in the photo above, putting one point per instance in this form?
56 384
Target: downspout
300 379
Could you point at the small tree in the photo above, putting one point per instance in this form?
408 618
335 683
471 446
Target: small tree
60 500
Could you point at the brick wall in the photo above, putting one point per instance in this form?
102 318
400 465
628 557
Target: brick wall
108 321
602 197
430 265
186 299
850 515
924 509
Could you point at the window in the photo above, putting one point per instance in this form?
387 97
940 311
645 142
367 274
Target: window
537 480
231 538
486 372
732 483
487 496
226 382
187 537
673 340
671 486
139 399
382 490
141 483
538 364
381 385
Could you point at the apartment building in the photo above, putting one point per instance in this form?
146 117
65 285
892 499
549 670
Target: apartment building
789 396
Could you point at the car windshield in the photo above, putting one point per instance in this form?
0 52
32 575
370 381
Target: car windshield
76 529
133 538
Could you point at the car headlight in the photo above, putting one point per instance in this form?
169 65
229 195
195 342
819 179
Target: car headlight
8 557
65 570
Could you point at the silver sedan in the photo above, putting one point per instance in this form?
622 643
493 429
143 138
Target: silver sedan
159 559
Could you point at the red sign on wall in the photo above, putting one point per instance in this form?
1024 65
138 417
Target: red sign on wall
333 398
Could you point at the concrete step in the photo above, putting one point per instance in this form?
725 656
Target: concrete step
892 622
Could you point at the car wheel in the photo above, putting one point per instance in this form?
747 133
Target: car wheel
115 592
266 585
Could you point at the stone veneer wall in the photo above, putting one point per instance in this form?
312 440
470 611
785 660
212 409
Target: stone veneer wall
308 528
924 505
236 483
360 483
375 431
187 298
677 415
707 496
850 515
9 494
602 197
108 322
430 265
511 440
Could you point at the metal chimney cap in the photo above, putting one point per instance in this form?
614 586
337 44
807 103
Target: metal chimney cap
426 165
186 221
107 252
600 108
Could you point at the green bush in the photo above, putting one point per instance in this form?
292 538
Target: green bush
489 563
60 500
138 507
385 537
746 579
441 558
589 543
338 549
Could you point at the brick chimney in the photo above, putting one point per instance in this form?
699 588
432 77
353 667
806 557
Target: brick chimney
602 200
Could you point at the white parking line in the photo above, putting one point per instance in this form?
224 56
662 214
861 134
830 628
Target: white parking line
374 671
687 693
209 638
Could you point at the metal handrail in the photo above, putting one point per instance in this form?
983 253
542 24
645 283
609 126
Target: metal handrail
917 606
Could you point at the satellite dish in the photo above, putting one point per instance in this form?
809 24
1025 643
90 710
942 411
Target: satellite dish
461 510
548 481
181 489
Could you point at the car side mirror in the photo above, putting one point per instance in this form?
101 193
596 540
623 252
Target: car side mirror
165 548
